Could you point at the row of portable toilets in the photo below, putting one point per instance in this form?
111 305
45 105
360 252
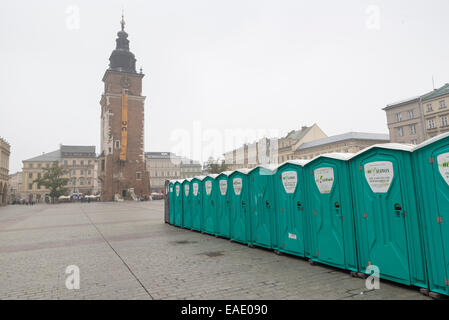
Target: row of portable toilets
386 206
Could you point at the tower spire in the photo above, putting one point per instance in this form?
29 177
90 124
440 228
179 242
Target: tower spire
122 22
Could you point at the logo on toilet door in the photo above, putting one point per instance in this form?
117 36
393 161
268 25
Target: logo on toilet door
208 186
237 183
443 166
379 175
223 187
195 189
324 179
289 180
177 190
186 190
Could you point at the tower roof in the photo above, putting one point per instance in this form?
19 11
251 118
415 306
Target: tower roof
121 58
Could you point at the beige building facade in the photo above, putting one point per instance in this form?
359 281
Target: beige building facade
5 151
78 161
15 188
419 118
435 108
350 142
162 166
273 150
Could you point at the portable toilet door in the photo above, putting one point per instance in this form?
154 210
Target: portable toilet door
223 214
209 205
261 207
178 205
387 226
187 204
290 218
329 213
239 197
169 196
431 167
197 203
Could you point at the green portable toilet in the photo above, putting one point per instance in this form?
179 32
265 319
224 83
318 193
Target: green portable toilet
239 205
223 214
385 214
431 168
186 204
209 212
177 221
330 233
197 203
171 201
290 218
261 207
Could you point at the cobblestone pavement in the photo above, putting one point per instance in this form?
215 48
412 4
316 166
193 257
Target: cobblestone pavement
125 251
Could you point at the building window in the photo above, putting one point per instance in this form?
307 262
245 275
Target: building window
74 162
89 172
102 165
39 165
30 175
398 117
30 186
73 172
429 107
413 129
39 175
31 165
81 171
444 121
410 114
400 132
89 162
442 104
117 144
47 165
414 141
66 162
138 175
82 162
88 181
81 182
431 124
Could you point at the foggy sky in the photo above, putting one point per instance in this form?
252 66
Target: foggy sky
265 65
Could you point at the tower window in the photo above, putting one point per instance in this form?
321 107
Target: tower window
138 175
117 144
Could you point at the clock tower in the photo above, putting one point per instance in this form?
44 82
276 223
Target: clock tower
121 164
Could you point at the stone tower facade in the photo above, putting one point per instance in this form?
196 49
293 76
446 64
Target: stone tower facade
121 166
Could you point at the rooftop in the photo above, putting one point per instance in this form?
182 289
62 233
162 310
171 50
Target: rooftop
344 137
46 157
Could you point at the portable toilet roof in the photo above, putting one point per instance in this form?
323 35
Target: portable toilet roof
334 155
241 170
212 175
201 178
271 167
298 162
227 173
391 146
430 141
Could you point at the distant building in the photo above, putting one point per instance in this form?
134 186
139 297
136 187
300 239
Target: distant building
162 166
274 150
295 138
79 161
419 118
190 168
350 142
5 151
15 189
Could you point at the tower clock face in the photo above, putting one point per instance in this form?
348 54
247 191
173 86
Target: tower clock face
125 82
